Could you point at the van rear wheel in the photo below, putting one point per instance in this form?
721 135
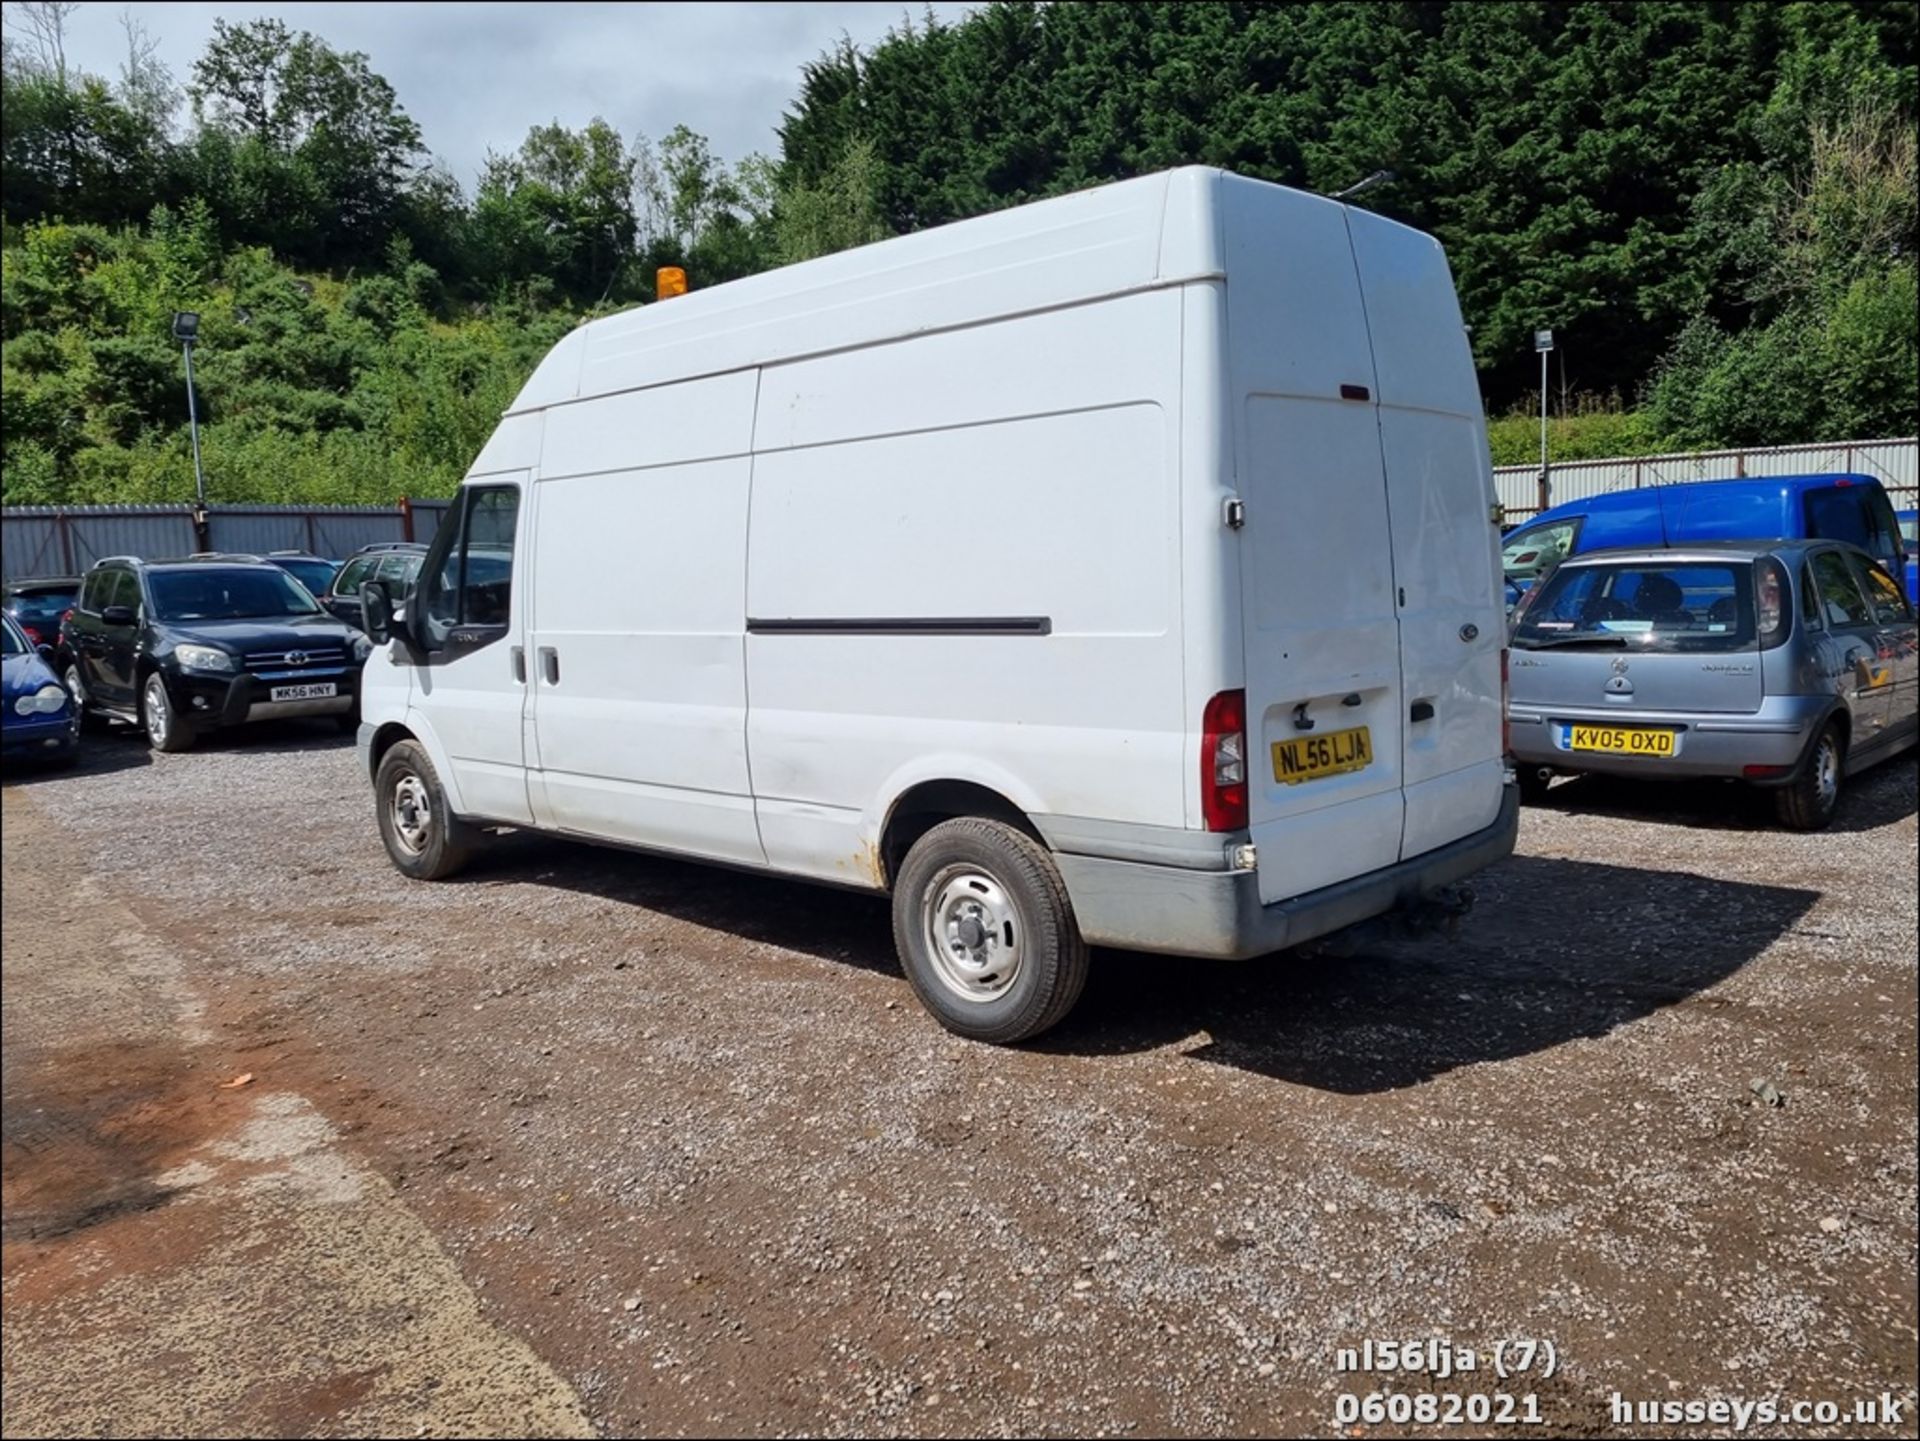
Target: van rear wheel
986 932
424 838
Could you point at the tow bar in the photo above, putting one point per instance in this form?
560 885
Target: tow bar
1435 912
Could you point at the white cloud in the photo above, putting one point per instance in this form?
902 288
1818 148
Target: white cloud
477 76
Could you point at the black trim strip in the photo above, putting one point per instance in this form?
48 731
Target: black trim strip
903 625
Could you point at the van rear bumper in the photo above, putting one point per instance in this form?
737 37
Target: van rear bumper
1183 912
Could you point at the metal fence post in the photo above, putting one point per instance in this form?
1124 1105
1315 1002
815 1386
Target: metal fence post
406 518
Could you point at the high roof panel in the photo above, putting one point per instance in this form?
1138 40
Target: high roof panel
1156 230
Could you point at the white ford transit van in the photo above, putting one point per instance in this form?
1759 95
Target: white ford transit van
1118 570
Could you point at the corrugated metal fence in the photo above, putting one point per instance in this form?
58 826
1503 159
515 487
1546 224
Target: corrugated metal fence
1895 463
57 540
65 540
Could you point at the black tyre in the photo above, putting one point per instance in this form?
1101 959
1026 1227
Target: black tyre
1533 782
1808 801
986 932
166 729
77 688
424 838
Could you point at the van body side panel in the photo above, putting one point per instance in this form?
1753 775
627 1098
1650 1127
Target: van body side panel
1446 562
1319 630
635 658
1018 484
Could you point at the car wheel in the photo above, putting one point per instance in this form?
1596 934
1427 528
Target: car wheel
986 932
424 838
77 688
1533 782
1808 801
166 731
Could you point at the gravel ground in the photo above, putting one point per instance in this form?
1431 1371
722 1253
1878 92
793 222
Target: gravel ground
688 1135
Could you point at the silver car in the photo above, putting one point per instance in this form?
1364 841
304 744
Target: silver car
1788 664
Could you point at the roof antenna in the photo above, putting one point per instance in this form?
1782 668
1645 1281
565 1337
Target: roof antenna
1379 177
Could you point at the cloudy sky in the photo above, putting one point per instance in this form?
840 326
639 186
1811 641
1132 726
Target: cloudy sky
477 76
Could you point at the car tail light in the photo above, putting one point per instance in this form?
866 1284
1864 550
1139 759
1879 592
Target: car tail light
1506 707
1761 773
1223 761
1771 583
1528 559
34 638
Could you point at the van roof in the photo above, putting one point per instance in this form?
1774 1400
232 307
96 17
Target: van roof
1154 231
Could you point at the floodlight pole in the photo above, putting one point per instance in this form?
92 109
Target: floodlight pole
1543 342
193 428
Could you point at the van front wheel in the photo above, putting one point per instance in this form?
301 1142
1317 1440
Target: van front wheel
424 838
986 932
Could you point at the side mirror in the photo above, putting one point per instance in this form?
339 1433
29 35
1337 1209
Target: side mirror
376 610
118 615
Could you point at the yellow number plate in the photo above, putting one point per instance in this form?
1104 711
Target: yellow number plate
1622 740
1311 757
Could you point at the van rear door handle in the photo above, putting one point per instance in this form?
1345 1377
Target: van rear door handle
519 655
550 664
1422 711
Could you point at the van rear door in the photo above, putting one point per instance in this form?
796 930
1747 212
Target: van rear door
1445 545
1322 652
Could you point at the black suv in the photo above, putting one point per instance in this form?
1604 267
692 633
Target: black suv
185 646
395 563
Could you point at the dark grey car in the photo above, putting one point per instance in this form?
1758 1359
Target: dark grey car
1787 664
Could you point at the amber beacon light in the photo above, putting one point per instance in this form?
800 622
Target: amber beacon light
669 281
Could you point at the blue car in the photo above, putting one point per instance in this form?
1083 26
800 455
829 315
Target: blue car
1853 508
41 721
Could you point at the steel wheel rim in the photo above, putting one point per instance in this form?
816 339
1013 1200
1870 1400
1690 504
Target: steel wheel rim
974 934
1826 773
156 709
410 808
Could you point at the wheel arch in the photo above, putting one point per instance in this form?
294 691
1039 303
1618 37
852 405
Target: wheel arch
926 803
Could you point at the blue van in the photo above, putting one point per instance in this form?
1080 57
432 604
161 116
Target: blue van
1910 538
1779 507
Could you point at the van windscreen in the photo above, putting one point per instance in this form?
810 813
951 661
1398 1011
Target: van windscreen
1643 606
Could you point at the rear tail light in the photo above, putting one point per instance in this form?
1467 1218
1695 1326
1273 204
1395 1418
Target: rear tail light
1771 583
34 637
1223 762
1761 773
1506 707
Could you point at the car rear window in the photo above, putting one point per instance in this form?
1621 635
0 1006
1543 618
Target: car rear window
182 595
1643 606
41 605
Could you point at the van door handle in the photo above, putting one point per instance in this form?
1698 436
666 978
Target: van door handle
1422 711
550 664
519 655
